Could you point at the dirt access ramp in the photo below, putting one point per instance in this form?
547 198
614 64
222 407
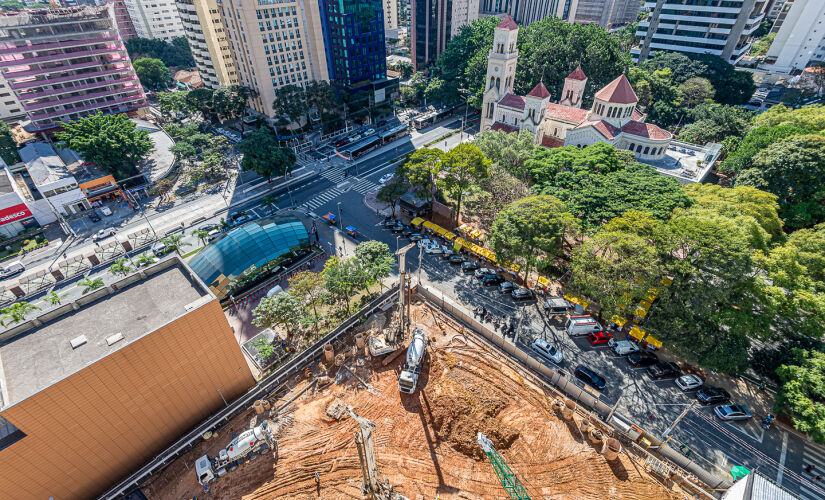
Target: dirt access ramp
424 442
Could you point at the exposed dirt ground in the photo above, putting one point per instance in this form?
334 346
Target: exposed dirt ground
425 443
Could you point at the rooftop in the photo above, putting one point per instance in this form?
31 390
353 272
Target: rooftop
565 113
577 74
5 183
682 160
539 91
34 357
618 91
45 166
507 23
512 101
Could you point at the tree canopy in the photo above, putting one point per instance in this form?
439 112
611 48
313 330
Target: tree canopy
263 154
175 53
153 74
8 146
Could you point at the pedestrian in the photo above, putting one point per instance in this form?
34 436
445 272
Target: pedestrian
809 468
819 478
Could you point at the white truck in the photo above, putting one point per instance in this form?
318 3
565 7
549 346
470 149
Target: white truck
581 325
623 347
415 359
247 446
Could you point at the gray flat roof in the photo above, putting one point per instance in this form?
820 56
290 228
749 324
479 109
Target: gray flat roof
43 163
5 183
43 355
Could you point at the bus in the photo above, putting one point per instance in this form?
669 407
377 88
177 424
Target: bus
394 133
360 149
431 117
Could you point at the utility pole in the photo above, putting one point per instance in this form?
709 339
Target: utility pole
672 426
420 258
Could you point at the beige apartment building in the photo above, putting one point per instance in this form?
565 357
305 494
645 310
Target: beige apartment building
275 43
205 31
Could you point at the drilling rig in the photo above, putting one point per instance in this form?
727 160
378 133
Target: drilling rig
509 480
390 339
372 487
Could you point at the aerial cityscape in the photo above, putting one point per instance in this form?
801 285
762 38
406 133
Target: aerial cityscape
412 249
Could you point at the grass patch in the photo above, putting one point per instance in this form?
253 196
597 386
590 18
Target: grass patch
449 134
193 252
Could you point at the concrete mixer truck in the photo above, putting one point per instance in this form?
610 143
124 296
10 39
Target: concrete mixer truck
415 359
247 446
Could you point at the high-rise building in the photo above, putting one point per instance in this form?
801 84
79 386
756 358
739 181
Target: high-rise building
124 21
10 108
719 27
155 19
63 64
434 22
275 43
773 9
390 15
354 41
607 13
204 29
800 37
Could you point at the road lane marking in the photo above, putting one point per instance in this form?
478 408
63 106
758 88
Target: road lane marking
782 456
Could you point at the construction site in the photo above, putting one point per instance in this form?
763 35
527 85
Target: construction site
410 404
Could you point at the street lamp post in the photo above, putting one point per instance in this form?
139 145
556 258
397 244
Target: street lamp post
224 399
340 220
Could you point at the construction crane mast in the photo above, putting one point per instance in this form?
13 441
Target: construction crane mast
509 481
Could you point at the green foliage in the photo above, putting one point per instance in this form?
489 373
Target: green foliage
464 167
441 91
175 54
464 59
741 158
200 234
803 393
408 96
421 171
16 313
491 195
731 86
280 310
8 147
761 46
263 154
308 288
175 242
695 91
144 259
110 141
55 298
808 117
392 191
509 151
291 101
153 74
343 278
121 266
375 259
171 103
264 347
406 69
89 284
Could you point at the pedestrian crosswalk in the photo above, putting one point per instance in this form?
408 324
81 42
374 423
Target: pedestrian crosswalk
362 186
812 489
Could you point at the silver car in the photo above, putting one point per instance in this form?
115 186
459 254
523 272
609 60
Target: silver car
732 412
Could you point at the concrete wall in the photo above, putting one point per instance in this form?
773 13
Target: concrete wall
97 425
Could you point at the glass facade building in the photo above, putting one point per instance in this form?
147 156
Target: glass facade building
261 243
354 39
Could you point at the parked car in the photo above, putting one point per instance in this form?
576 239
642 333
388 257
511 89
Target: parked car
541 347
507 287
710 395
341 142
106 211
104 233
159 248
623 347
581 325
389 222
664 369
385 178
521 294
425 242
469 266
642 358
398 228
483 271
208 227
416 237
732 412
447 252
241 217
590 377
94 217
599 337
491 279
12 269
689 382
407 232
213 235
434 249
369 132
456 259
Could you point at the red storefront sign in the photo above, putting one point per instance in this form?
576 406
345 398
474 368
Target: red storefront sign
14 213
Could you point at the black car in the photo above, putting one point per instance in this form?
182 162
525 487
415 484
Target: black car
381 123
664 369
590 377
407 233
641 358
399 228
483 271
416 237
507 287
711 395
491 279
389 222
521 294
94 217
469 266
457 259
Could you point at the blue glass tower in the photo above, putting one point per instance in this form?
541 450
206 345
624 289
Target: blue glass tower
354 40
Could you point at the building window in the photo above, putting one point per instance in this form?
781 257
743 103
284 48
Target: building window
632 145
647 150
639 148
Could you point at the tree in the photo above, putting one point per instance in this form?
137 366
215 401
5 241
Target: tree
144 259
375 259
807 117
163 188
406 69
695 91
153 74
263 154
464 59
280 310
175 54
172 103
484 201
291 101
200 234
531 231
421 170
308 288
757 139
408 96
510 151
110 141
230 102
16 313
393 191
175 242
792 169
121 266
55 298
803 391
8 146
322 97
342 279
464 166
89 284
441 91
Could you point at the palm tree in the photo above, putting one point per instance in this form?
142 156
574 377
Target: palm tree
90 284
121 266
200 234
54 298
144 259
175 242
16 313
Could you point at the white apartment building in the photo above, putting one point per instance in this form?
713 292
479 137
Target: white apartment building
206 34
464 12
719 27
155 19
390 15
800 37
10 108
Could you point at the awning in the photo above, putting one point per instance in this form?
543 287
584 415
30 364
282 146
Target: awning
542 281
618 320
429 225
576 300
654 341
641 312
637 333
667 281
652 293
449 236
457 244
645 304
417 221
440 230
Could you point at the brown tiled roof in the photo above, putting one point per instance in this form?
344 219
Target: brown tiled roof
637 115
512 101
603 127
618 91
503 127
577 74
551 142
540 91
507 23
565 113
647 130
191 78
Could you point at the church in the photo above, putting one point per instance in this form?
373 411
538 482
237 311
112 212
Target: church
613 117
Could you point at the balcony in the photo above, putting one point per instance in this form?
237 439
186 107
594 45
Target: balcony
50 125
58 45
91 106
61 57
69 90
62 68
30 84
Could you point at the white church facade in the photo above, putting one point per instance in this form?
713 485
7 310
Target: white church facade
613 117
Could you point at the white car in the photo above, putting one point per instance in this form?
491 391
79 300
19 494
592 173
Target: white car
104 233
426 242
385 178
369 132
434 249
106 211
623 347
689 382
541 347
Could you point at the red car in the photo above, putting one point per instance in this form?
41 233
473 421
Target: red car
599 337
